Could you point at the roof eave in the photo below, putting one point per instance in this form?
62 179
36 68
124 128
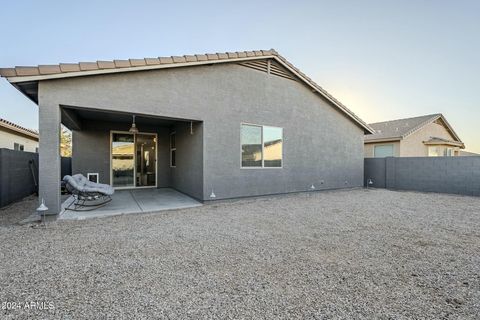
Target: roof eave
391 139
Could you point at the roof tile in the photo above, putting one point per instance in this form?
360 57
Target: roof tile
122 63
8 72
49 69
177 59
212 56
190 58
250 53
152 61
69 67
242 54
16 127
232 55
106 64
86 66
27 71
222 56
258 53
201 57
399 127
164 60
137 62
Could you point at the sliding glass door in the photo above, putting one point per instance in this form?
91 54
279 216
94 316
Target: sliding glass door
133 161
146 160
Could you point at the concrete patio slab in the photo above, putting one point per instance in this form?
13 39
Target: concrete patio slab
133 201
151 200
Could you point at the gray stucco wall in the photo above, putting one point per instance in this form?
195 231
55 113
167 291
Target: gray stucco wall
457 175
321 145
187 176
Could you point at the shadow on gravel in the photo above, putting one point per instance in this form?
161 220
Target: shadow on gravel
18 211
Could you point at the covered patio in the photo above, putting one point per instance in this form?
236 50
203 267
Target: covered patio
143 166
131 202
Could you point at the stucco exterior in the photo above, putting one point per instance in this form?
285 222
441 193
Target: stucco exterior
321 145
414 145
9 138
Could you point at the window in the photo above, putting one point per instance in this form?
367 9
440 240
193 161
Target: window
173 150
433 151
18 147
272 147
383 151
261 146
448 152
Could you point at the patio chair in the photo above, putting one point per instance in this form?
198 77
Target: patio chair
87 195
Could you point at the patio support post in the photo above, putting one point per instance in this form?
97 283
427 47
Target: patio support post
49 166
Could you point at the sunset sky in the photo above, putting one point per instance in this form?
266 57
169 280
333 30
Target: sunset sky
383 59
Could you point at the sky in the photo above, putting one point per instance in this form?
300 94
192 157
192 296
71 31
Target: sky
383 59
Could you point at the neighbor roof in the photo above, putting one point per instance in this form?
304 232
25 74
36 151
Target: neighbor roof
25 78
401 128
15 127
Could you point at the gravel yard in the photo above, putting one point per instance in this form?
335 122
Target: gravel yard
337 254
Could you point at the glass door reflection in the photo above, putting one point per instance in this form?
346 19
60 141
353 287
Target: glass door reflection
123 160
145 160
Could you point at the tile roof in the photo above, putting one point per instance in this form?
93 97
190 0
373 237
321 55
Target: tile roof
15 127
438 140
43 72
400 128
468 154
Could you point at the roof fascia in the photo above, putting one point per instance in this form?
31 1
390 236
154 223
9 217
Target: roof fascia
17 79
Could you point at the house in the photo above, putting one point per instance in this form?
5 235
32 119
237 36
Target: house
468 154
213 126
15 137
424 136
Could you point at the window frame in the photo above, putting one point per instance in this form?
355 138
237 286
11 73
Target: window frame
263 146
437 153
384 145
18 146
172 149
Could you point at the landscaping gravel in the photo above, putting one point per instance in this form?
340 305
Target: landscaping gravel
16 212
358 254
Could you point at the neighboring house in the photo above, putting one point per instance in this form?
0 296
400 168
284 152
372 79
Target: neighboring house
468 154
425 136
15 137
212 126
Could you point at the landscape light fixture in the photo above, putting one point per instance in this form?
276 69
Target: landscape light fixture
133 128
41 211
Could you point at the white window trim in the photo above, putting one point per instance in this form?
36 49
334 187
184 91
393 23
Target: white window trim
173 149
263 146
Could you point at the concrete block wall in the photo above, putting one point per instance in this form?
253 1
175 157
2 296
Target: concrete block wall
456 175
16 179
